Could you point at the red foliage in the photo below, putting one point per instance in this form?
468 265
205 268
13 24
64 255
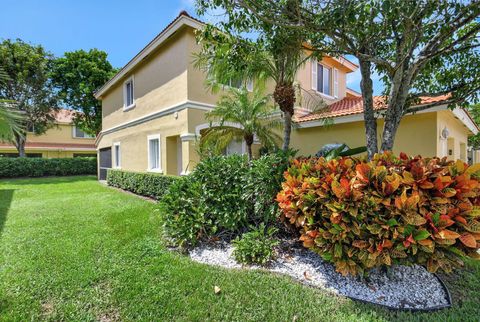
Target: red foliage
360 214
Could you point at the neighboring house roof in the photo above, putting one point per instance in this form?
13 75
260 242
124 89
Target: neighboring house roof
354 106
64 116
54 146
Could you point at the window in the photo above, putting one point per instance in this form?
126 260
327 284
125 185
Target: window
84 155
335 82
78 133
154 153
128 94
235 147
117 155
238 83
322 78
30 128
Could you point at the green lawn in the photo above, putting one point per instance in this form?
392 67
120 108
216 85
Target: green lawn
72 249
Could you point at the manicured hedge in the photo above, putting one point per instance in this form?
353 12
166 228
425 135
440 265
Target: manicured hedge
223 197
152 185
406 210
38 167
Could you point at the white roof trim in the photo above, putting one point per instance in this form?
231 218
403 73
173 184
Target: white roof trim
154 44
463 117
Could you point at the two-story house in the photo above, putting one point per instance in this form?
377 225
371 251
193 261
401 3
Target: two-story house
63 140
154 110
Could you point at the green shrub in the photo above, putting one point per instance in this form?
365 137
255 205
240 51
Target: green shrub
232 195
256 246
152 185
39 167
391 210
183 213
223 181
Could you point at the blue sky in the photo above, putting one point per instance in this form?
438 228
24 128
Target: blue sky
116 27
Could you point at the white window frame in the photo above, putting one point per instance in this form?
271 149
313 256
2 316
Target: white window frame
335 82
117 162
87 136
151 138
314 73
132 81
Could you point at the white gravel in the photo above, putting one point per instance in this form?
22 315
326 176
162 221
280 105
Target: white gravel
407 287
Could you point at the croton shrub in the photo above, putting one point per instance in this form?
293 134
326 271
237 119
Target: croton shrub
406 210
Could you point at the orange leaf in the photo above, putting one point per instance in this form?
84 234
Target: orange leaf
468 240
460 219
447 234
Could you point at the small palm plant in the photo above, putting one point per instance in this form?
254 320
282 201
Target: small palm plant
11 121
241 115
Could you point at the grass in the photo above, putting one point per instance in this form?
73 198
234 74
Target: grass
72 249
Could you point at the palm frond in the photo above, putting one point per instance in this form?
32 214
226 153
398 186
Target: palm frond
11 121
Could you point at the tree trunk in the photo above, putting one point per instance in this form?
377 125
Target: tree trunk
249 150
249 141
284 96
397 101
20 145
366 86
287 130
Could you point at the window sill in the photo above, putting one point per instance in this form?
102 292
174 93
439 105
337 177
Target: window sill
160 171
327 96
127 108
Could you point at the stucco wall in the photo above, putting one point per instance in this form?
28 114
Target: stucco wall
160 81
61 133
414 135
458 138
133 140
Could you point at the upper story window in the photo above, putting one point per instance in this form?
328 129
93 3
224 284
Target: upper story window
78 133
30 128
128 94
324 79
238 83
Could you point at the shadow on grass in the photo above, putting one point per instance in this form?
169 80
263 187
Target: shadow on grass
47 180
6 196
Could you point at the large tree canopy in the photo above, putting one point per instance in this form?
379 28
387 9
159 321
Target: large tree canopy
76 76
420 48
28 85
250 48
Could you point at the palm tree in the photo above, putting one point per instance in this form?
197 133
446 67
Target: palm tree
11 121
277 54
241 116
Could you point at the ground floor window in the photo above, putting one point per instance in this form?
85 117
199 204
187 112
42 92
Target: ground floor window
16 155
117 155
235 147
84 155
154 152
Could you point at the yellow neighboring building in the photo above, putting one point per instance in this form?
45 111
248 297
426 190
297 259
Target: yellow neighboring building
64 140
154 110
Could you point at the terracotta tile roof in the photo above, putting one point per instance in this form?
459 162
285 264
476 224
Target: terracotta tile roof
354 105
53 146
64 116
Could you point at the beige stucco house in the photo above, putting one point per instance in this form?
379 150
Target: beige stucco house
63 140
154 110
